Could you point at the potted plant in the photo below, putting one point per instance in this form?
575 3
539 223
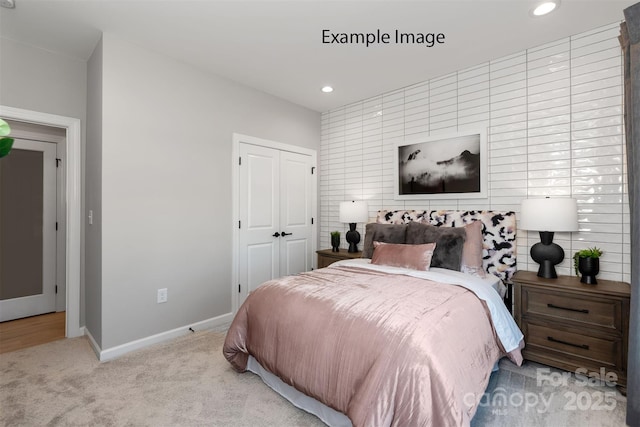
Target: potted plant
5 143
335 241
587 263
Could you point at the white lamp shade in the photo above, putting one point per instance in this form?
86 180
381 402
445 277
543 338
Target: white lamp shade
549 214
355 211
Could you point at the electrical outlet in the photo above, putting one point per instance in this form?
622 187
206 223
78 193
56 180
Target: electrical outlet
162 295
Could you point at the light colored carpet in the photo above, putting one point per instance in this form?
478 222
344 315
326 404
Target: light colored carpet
187 382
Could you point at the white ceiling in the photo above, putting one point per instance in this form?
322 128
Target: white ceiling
276 46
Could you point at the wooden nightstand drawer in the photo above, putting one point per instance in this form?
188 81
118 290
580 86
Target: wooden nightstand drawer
574 345
572 325
601 312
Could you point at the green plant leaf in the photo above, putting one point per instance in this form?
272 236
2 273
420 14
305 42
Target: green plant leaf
593 252
5 146
576 257
5 129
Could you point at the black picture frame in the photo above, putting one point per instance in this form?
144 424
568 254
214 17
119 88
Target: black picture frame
452 166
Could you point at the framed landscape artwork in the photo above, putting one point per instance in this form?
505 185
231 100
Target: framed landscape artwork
442 167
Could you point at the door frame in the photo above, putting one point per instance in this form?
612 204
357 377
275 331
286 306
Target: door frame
235 199
72 164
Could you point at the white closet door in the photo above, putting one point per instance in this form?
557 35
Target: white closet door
295 213
259 251
275 236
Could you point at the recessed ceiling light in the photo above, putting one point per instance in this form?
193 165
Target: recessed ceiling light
544 8
327 89
9 4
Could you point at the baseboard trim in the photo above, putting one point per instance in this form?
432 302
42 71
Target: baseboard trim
215 323
94 345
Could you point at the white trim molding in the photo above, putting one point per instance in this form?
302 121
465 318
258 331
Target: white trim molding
220 323
73 170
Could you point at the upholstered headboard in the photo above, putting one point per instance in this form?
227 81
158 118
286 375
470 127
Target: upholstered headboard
498 231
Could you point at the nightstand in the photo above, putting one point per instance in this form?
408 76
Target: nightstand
326 257
571 325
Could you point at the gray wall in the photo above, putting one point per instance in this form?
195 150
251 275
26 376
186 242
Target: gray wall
39 80
157 176
166 186
93 197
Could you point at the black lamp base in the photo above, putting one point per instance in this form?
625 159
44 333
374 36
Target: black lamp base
547 270
547 254
353 238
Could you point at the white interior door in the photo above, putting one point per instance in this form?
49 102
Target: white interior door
27 230
275 202
295 213
259 183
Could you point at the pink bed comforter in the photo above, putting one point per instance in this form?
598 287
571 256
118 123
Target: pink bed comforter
382 349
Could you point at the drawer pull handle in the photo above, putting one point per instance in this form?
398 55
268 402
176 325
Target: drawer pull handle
579 310
583 346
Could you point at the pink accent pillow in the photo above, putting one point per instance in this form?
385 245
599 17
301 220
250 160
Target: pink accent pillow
472 250
415 257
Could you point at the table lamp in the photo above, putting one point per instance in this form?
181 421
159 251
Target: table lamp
353 212
548 216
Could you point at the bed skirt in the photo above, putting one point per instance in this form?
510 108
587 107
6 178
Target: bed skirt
328 415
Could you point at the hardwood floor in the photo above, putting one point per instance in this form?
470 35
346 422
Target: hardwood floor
31 331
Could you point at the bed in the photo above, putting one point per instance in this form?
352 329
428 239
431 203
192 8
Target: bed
407 335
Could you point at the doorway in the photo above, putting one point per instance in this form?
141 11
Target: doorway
70 172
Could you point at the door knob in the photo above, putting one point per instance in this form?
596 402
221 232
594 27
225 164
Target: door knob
276 234
286 234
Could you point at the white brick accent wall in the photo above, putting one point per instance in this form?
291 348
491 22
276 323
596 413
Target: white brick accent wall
554 116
